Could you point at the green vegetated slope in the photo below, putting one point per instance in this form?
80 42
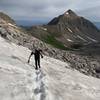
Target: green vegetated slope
46 37
51 40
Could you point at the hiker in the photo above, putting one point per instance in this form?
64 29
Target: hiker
37 54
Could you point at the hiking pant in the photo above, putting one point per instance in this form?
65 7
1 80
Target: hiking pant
37 62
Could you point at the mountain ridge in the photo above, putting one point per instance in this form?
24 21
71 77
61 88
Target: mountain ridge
97 24
6 18
69 29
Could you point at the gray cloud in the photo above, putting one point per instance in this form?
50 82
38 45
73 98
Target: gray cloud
91 13
47 9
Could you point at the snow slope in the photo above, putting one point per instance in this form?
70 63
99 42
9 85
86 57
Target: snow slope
54 81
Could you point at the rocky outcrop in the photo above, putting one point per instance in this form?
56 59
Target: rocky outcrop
6 18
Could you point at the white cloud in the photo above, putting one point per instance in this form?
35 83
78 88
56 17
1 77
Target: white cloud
45 9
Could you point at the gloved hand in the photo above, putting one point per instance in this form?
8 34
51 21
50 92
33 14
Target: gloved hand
41 56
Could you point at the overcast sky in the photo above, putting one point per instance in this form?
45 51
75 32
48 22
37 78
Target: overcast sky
43 10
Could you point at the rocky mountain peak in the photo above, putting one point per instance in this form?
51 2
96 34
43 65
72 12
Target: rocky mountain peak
70 13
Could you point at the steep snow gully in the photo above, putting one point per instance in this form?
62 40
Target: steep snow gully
54 81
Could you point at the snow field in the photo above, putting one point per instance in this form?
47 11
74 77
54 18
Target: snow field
54 81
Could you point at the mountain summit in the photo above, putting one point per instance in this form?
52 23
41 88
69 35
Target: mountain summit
70 13
67 15
69 28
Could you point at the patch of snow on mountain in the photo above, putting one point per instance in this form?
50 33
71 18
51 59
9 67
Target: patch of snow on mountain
92 39
12 25
81 38
54 81
70 30
69 40
45 29
67 13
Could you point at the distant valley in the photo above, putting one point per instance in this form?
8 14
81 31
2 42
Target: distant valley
28 23
97 24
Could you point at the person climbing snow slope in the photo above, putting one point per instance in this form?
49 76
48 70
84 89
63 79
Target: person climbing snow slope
37 54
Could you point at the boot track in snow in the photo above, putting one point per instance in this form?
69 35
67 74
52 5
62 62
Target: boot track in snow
39 85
